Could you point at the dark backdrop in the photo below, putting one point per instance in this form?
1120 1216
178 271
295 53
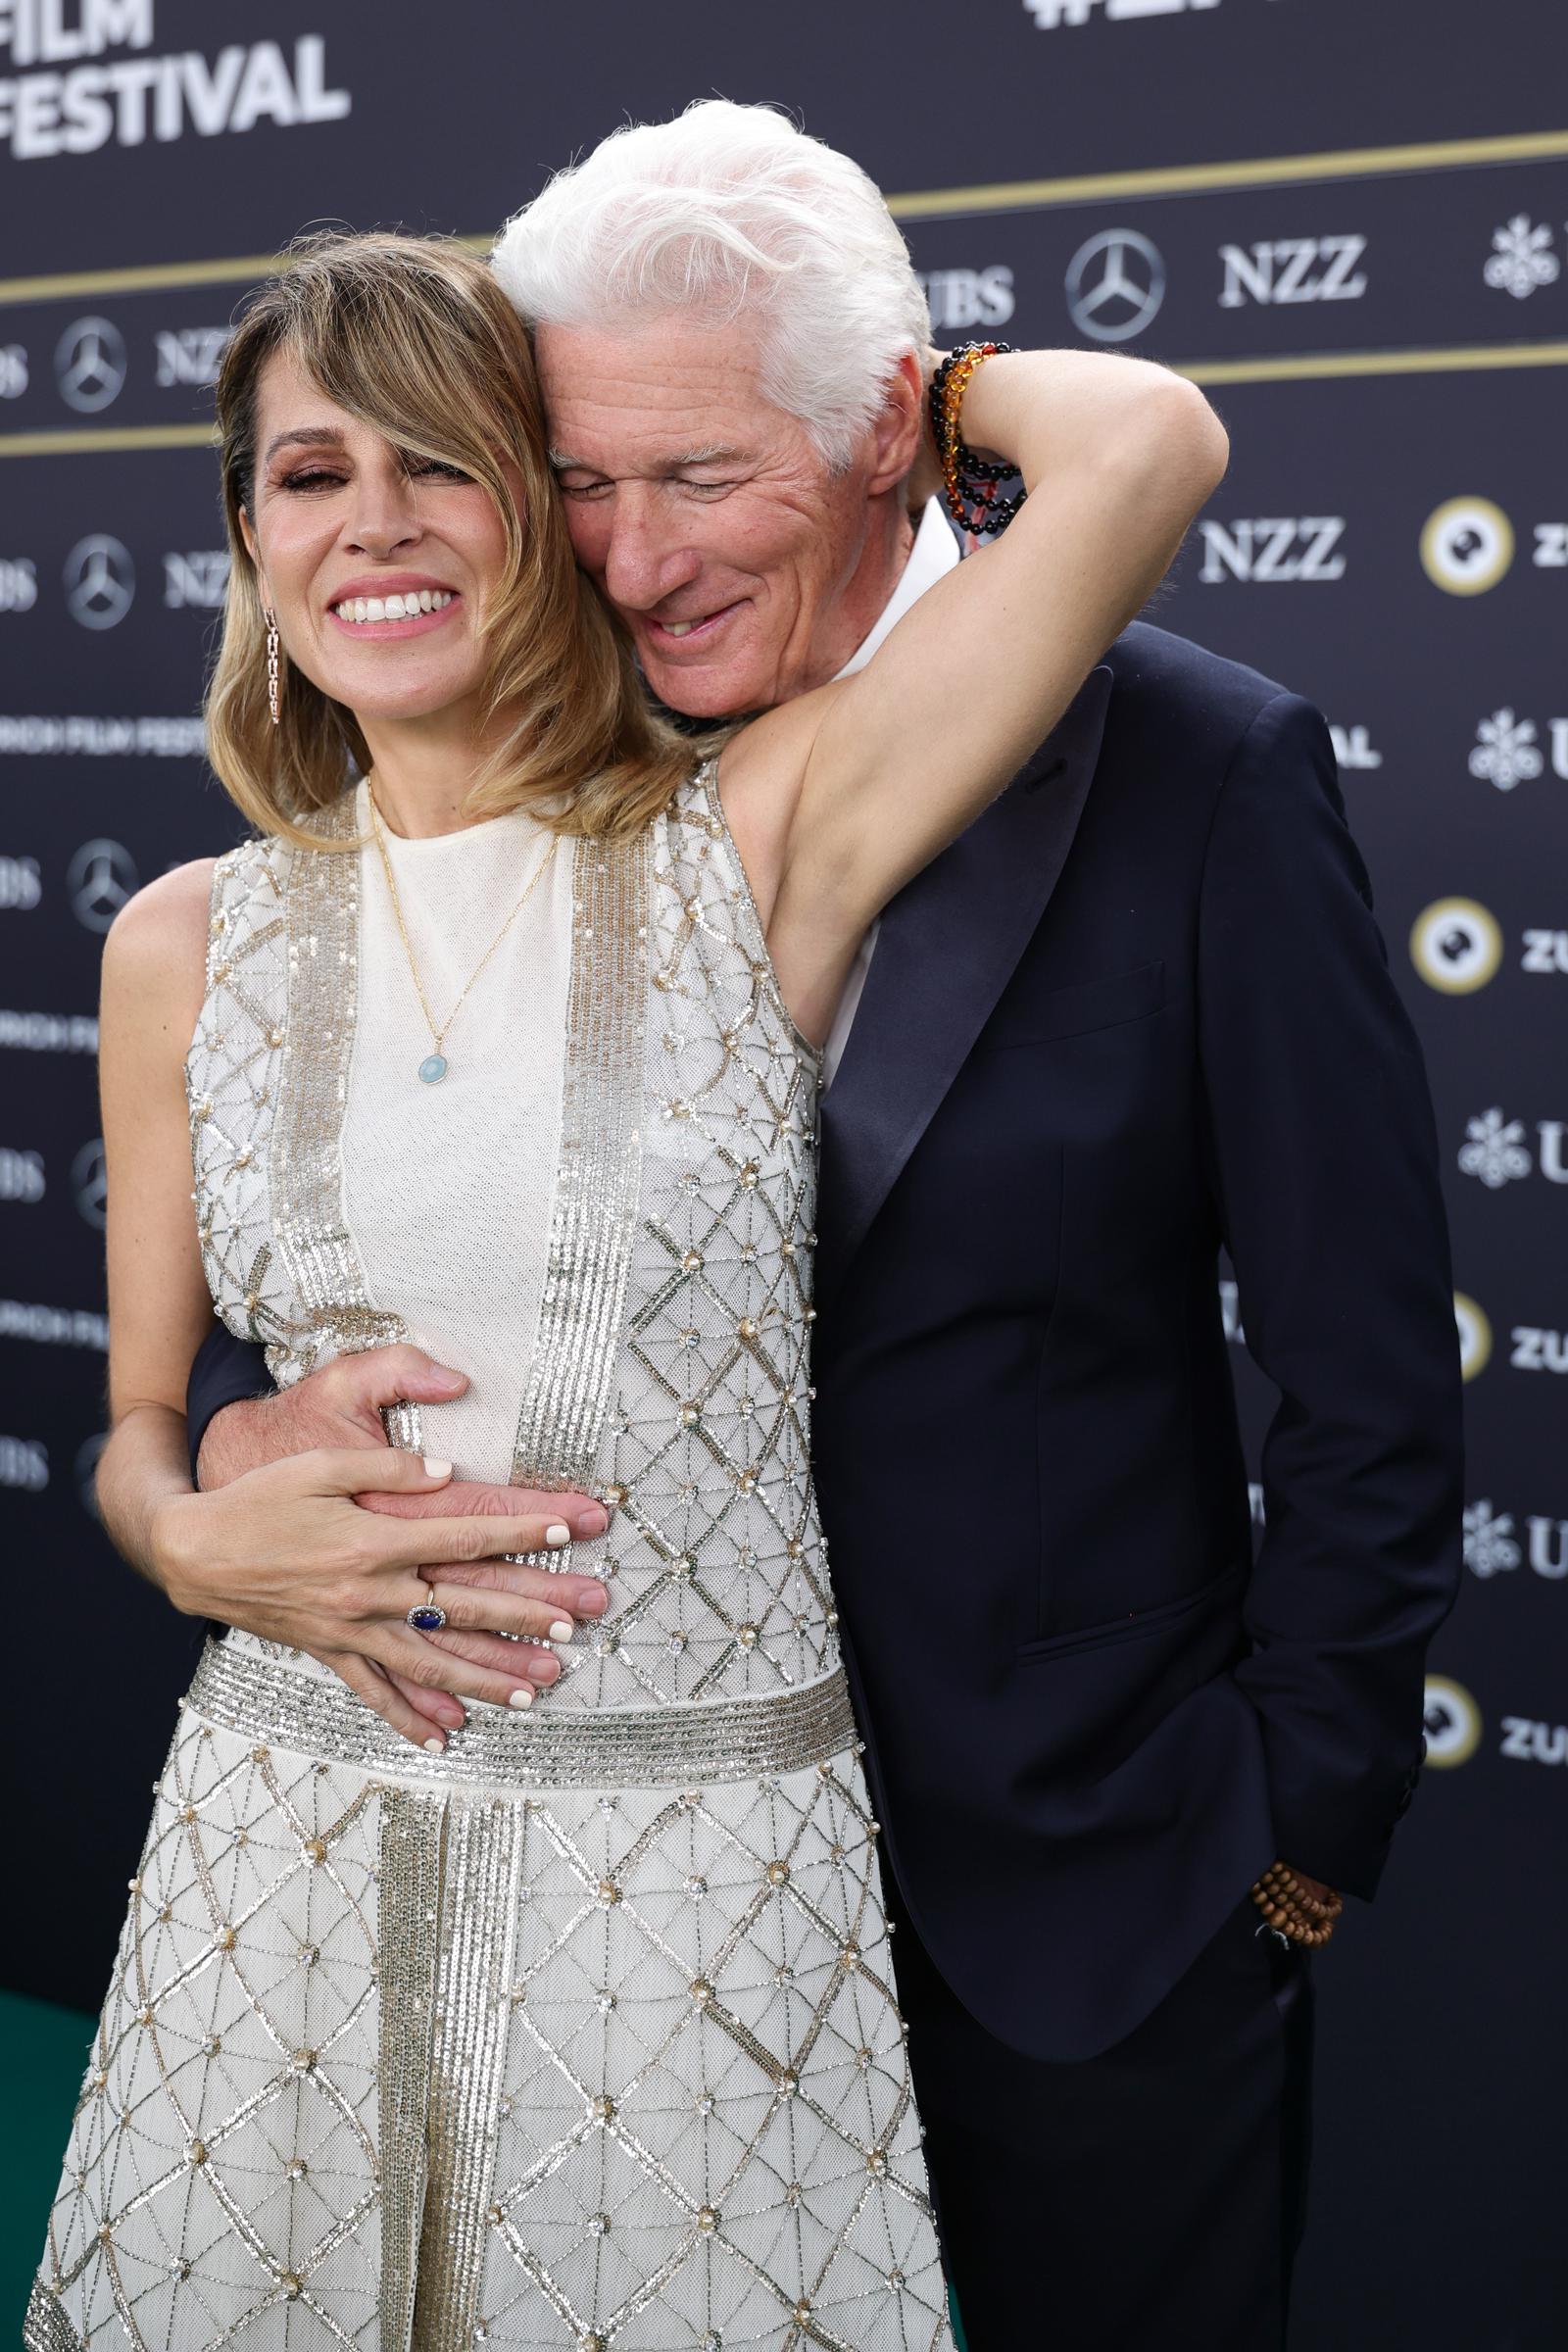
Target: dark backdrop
1349 219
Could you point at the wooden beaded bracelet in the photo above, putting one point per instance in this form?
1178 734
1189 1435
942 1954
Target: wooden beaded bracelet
1292 1909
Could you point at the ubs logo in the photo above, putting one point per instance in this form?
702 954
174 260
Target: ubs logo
1451 1722
19 584
970 297
99 879
1475 1335
21 888
21 1176
1494 1149
1466 546
1455 946
1115 285
100 581
90 364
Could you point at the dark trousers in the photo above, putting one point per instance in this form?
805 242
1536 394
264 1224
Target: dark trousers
1150 2197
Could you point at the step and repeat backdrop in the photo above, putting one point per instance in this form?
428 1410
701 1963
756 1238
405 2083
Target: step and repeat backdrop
1355 232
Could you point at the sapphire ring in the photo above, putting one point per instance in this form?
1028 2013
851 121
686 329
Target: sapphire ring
427 1617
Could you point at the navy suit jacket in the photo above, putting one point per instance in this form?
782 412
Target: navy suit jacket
1107 1034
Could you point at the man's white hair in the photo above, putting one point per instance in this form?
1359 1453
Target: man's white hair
730 210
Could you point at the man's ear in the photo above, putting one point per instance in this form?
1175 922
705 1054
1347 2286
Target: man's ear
899 425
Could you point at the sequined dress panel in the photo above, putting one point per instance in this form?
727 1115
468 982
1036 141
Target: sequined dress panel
583 2035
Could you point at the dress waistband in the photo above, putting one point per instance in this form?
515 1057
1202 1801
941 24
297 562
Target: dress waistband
268 1700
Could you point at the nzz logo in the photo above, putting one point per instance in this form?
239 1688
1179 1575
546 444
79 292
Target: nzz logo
1273 548
1292 269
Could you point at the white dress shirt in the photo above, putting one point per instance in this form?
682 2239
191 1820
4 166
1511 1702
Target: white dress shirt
935 552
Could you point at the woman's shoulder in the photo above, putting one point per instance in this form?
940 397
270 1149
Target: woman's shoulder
156 950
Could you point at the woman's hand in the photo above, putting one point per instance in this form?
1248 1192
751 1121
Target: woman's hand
285 1552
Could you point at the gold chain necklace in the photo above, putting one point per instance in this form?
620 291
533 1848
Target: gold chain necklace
433 1069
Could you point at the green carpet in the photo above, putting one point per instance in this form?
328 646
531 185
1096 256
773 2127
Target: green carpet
48 2056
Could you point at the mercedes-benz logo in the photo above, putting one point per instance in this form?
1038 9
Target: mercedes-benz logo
100 581
87 1471
90 366
89 1183
1115 285
100 878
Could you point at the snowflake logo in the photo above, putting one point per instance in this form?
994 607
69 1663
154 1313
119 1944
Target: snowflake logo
1505 753
1489 1543
1495 1151
1521 258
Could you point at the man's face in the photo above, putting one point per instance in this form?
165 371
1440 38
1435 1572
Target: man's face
746 571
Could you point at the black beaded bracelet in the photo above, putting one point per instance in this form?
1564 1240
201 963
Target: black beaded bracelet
969 482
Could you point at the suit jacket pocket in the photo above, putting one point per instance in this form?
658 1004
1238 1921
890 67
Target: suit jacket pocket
1139 1622
1024 1020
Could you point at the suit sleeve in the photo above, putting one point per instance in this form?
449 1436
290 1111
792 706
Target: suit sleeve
1326 1165
225 1371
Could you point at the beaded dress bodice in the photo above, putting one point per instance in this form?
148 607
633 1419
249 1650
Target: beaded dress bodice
669 1367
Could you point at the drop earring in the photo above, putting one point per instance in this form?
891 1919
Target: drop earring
271 619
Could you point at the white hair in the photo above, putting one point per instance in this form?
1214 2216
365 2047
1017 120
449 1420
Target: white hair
730 210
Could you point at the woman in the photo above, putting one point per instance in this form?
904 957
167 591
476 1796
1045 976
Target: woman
578 2029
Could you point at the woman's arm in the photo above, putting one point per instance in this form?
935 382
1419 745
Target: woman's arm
284 1551
844 794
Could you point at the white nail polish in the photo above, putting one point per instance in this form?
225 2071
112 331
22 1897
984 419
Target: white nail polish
561 1631
436 1469
435 1748
557 1535
521 1699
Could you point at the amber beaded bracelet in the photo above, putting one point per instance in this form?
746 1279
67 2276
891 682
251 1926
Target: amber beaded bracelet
1292 1909
969 482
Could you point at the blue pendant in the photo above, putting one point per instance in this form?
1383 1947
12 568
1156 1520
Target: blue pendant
433 1069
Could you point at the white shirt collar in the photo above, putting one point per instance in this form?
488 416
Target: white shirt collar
935 552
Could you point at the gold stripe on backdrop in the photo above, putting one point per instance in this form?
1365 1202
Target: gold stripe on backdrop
1293 368
1014 195
1196 179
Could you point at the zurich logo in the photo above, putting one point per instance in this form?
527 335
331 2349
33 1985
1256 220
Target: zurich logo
100 581
100 878
90 366
1115 285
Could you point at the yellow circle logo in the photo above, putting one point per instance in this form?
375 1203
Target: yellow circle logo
1475 1335
1455 946
1451 1722
1466 546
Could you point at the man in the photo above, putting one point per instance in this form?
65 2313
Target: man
1139 1012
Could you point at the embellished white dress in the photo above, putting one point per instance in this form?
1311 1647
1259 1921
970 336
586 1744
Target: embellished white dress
583 2033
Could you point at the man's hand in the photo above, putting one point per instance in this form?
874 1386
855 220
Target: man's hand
340 1406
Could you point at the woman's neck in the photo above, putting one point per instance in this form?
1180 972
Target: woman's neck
424 769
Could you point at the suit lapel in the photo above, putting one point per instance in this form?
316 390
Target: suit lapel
948 945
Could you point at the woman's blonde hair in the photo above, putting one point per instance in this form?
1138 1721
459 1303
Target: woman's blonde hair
414 336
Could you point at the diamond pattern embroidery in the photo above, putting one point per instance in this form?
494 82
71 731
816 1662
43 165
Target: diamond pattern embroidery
720 1575
706 2126
221 2161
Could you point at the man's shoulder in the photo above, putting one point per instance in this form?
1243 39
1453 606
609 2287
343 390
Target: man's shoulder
1168 679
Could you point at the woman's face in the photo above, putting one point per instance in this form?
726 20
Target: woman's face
379 565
